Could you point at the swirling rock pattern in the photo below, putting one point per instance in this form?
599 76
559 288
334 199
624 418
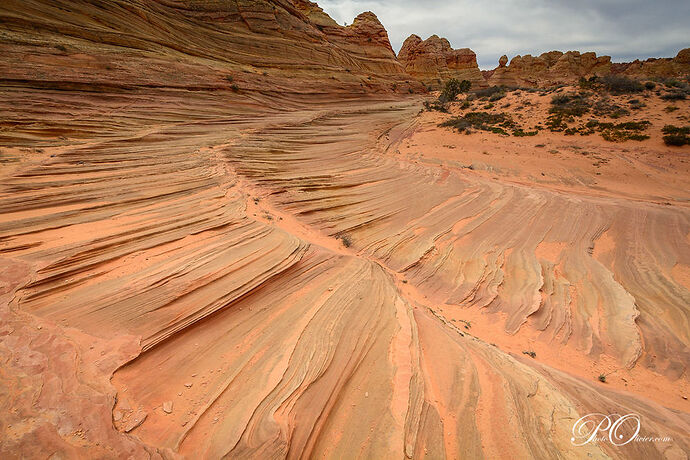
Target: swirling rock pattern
189 270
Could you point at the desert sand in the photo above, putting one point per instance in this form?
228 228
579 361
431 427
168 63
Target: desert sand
231 230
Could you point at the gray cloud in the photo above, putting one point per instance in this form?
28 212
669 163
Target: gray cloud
623 29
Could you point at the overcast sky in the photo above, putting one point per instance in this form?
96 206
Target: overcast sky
623 29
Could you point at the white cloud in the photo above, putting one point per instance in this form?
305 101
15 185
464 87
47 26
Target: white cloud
624 29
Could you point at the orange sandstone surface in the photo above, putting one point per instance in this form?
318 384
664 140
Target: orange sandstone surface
226 230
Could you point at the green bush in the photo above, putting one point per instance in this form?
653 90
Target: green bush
485 121
488 92
676 136
618 84
605 107
520 133
674 96
452 88
436 105
345 239
569 105
675 140
588 83
496 96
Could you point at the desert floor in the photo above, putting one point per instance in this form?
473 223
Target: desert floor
183 275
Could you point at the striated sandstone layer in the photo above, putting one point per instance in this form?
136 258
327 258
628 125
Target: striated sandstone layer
267 45
194 270
433 61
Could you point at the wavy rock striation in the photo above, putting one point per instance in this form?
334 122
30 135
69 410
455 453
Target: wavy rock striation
191 269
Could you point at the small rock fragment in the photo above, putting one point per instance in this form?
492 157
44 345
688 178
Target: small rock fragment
136 420
168 407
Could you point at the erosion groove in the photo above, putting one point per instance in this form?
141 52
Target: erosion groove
192 270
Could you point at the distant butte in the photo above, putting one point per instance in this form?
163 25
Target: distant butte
433 61
556 68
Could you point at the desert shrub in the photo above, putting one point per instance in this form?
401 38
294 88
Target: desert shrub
612 132
670 109
564 109
631 130
436 105
676 140
569 105
556 123
452 88
636 104
604 107
230 78
520 133
588 83
497 96
650 85
602 378
674 96
485 121
235 88
488 92
676 136
618 84
561 99
466 104
345 239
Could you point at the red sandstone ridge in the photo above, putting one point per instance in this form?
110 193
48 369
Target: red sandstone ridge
556 67
366 39
549 69
196 44
662 67
433 61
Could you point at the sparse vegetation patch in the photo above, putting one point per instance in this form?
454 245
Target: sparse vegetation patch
485 121
676 136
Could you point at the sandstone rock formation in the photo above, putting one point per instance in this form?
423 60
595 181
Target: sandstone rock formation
555 68
675 67
208 249
433 61
260 44
549 69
